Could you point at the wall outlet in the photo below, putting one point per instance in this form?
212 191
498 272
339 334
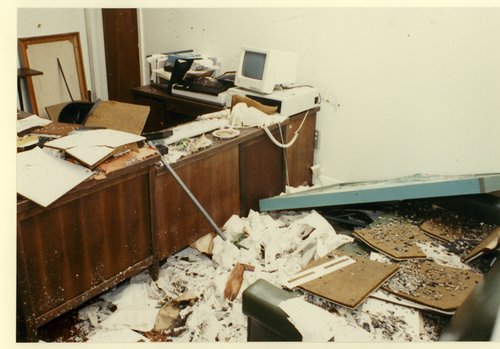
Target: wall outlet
316 139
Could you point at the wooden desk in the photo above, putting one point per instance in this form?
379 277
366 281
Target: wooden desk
229 178
167 110
103 232
88 241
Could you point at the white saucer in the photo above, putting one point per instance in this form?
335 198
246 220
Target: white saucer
226 133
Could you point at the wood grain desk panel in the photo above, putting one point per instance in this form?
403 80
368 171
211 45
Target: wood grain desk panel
229 177
214 181
94 237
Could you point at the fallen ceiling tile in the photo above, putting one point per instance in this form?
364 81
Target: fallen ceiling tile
352 284
395 238
431 284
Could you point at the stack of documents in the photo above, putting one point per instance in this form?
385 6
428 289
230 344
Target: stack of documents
91 147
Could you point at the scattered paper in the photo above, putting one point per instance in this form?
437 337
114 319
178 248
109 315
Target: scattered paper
93 146
122 335
43 178
441 255
31 122
389 297
318 325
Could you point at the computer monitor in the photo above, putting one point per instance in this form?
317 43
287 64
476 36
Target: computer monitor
261 70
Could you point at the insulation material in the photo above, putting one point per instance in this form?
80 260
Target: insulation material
352 284
396 238
432 285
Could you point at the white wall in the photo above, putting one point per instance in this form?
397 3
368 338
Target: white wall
405 90
49 21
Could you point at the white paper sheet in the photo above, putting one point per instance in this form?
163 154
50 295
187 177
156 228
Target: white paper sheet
123 335
30 122
318 325
90 138
92 146
43 178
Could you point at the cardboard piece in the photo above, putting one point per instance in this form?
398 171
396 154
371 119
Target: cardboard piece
443 225
489 243
118 116
398 240
53 111
352 284
433 285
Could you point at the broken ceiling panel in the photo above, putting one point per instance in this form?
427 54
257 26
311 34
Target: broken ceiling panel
352 284
413 187
432 285
490 243
395 238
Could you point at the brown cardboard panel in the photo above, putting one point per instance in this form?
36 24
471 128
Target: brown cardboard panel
396 239
443 225
488 244
118 116
438 229
53 111
351 285
428 283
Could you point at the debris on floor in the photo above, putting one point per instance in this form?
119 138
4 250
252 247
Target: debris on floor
318 325
235 279
431 284
197 296
394 237
353 283
489 243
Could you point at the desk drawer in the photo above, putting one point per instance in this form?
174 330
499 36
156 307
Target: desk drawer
191 109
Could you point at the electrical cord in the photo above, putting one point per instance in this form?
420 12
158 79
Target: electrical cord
292 141
287 179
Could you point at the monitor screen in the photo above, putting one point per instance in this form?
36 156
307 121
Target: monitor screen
253 65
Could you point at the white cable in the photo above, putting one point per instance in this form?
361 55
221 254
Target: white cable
284 155
289 144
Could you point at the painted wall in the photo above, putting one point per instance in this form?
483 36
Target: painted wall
404 91
49 21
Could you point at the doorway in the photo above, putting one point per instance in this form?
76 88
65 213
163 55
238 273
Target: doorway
121 42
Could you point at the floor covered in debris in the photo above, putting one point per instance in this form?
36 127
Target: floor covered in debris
197 296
